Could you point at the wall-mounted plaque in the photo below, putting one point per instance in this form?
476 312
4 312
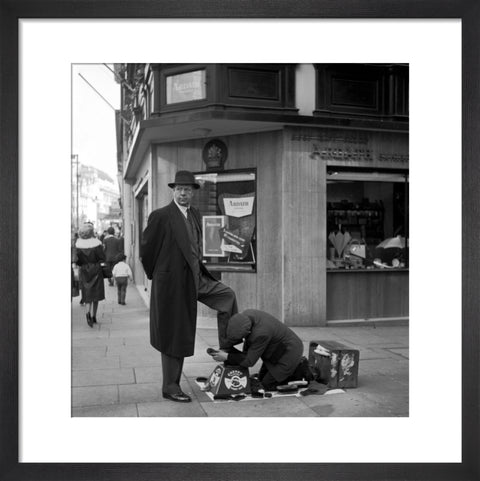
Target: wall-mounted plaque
215 154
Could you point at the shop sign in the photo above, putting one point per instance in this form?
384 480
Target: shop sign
238 206
358 149
186 87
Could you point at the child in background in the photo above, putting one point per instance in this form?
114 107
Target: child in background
121 273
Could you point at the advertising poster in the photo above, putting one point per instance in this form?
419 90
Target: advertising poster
237 235
213 225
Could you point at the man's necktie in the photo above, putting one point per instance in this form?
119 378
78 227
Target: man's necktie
190 219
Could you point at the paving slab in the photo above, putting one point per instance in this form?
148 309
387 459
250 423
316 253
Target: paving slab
369 353
88 350
342 405
111 411
400 351
142 342
96 341
89 361
289 406
126 333
148 374
92 396
170 409
131 350
128 323
136 393
394 366
90 335
140 359
99 377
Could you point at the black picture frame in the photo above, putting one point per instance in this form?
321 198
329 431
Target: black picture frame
13 10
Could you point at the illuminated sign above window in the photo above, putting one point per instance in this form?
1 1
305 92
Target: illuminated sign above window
186 87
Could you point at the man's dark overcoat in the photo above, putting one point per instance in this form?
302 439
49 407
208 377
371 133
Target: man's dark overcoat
113 248
166 255
266 338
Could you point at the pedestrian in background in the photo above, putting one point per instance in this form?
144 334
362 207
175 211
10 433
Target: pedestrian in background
113 250
90 255
74 267
121 242
121 273
171 254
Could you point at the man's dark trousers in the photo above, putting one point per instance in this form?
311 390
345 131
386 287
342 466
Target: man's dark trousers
217 296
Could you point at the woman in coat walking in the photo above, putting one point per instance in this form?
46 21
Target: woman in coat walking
90 255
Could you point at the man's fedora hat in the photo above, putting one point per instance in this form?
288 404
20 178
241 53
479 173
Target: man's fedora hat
184 177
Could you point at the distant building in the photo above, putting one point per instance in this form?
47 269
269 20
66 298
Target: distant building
98 198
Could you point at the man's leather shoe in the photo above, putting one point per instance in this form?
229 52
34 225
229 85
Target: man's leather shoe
180 397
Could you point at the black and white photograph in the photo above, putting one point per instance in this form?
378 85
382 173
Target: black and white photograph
240 240
257 223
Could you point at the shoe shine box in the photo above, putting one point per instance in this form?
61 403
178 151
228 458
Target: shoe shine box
334 364
229 380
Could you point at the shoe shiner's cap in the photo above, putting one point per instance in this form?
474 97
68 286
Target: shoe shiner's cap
184 177
238 328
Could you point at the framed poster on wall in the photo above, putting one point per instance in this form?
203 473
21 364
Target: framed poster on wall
213 226
227 203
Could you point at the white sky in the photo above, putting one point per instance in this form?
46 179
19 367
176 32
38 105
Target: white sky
93 121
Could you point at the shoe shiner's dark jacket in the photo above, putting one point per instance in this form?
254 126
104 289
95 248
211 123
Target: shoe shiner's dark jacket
167 258
267 338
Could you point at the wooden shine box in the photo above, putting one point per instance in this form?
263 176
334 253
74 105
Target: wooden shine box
336 366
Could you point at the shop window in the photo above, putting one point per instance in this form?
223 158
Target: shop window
227 204
256 84
367 220
379 90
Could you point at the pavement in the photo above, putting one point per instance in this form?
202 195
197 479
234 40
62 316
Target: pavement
116 373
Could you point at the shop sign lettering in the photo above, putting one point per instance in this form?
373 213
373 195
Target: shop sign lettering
238 206
363 155
186 87
346 154
350 147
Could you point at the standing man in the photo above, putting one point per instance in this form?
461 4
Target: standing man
112 247
171 253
